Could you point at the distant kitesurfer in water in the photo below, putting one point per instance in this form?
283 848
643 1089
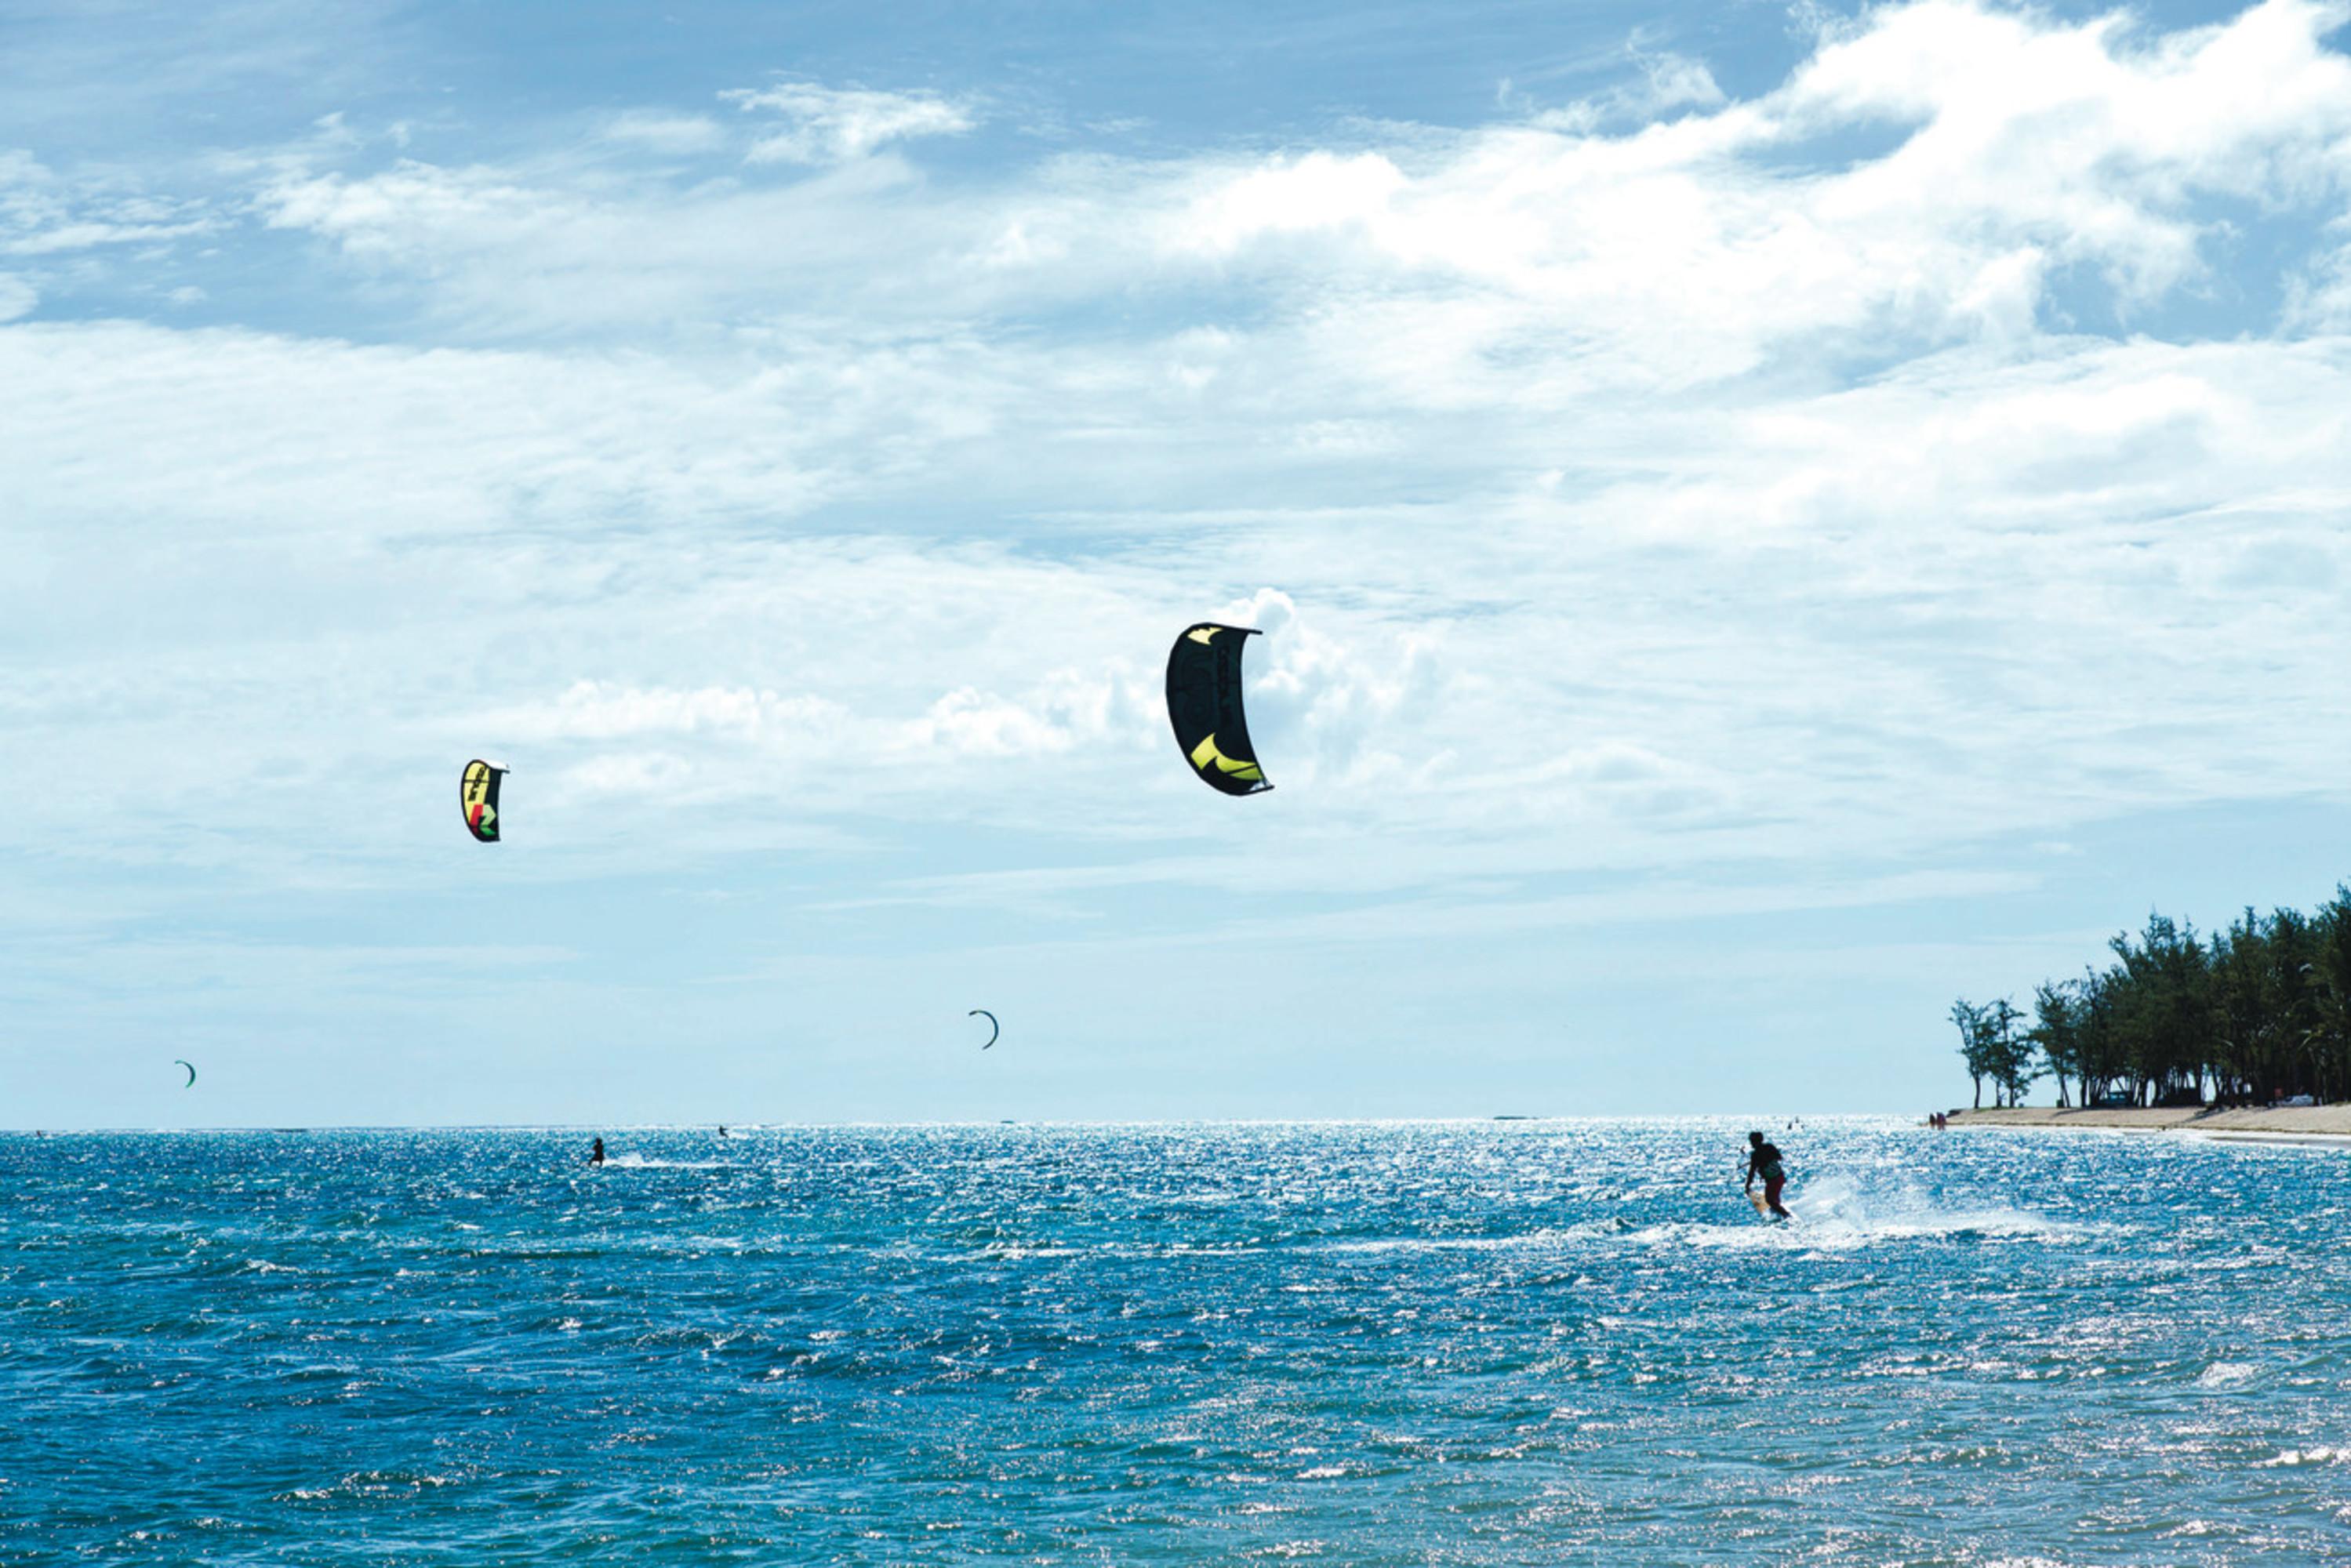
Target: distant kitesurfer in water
596 1154
1763 1160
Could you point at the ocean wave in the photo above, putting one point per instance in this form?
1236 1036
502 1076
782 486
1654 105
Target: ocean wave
1393 1342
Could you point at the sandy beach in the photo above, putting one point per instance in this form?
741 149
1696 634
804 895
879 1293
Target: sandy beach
2296 1123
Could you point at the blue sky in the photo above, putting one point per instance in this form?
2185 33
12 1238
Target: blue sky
1766 518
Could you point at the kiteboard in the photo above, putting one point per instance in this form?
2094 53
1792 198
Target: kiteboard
1762 1207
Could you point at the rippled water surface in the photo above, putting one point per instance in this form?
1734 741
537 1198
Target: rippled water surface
1511 1343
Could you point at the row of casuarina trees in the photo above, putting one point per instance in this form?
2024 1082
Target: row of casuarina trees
2252 1015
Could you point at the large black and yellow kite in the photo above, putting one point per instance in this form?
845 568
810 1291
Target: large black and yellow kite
1204 704
478 793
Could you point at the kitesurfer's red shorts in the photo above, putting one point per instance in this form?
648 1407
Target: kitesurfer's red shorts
1771 1186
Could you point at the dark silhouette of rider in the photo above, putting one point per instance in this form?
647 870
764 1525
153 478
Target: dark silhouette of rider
1763 1160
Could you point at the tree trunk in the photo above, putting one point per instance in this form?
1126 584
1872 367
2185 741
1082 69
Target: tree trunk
1979 1093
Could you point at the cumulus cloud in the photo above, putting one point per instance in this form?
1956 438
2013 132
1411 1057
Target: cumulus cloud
2011 171
1603 488
1694 249
1318 192
1339 714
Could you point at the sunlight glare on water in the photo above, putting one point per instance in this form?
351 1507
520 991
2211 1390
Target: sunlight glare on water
1565 1341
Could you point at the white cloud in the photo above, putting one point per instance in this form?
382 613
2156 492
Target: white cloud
394 216
1336 714
44 214
2319 300
1675 81
1320 191
675 135
1517 265
826 125
602 711
970 723
1667 81
1699 248
1537 449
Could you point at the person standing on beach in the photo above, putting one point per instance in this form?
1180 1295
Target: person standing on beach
1763 1160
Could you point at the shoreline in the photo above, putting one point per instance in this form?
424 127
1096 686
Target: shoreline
2326 1126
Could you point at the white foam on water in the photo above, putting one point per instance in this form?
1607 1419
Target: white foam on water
2290 1457
1543 1236
2228 1375
2334 1141
1019 1252
1843 1206
1839 1211
1725 1238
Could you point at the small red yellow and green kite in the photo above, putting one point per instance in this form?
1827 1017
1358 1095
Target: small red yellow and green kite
478 793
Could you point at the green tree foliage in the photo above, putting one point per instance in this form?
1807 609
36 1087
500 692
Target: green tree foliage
1974 1046
2258 1013
1994 1049
2057 1031
2013 1067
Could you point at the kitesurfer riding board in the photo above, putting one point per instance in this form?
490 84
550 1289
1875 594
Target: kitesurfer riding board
1763 1160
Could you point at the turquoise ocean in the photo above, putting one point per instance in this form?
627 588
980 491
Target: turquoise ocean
1536 1343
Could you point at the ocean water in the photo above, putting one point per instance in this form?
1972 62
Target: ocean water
1554 1342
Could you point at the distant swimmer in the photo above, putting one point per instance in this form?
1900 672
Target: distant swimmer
596 1154
1763 1160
